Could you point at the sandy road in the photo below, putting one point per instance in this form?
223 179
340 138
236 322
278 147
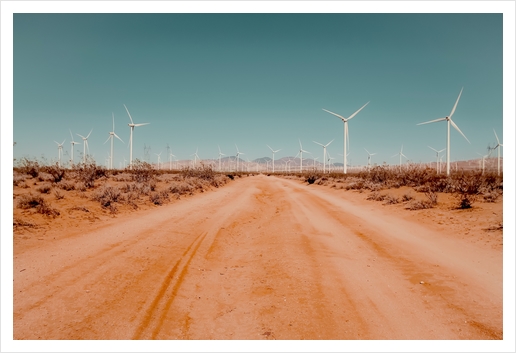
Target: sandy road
261 258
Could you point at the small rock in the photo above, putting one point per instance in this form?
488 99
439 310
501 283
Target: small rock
421 282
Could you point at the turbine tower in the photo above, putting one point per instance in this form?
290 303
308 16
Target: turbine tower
346 133
437 165
324 153
72 143
400 154
159 158
238 154
132 125
498 145
60 150
220 155
369 158
450 121
111 135
273 152
301 150
85 145
195 155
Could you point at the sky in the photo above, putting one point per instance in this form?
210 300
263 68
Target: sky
256 79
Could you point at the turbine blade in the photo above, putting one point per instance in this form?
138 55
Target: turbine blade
320 144
141 124
337 115
455 106
498 141
129 114
457 128
329 143
367 151
118 137
113 121
355 113
71 134
107 139
89 133
81 136
433 149
432 121
270 148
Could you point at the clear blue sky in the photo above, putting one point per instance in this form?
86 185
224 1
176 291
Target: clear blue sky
203 80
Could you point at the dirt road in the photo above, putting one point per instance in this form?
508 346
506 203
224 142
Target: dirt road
261 258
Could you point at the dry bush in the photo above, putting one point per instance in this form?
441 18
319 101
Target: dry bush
491 196
107 195
430 202
56 172
27 166
88 173
356 185
43 176
142 171
390 200
312 176
58 194
66 185
375 196
407 197
18 178
21 223
36 201
44 189
158 198
79 208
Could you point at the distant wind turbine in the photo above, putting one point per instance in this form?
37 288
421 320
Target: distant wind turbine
369 158
59 151
450 121
324 153
237 157
111 136
301 150
400 154
72 143
498 145
273 153
346 133
85 145
220 155
132 125
159 158
437 165
195 156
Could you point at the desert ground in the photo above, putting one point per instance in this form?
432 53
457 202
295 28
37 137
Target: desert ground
256 258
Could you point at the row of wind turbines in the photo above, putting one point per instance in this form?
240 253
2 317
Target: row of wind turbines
132 125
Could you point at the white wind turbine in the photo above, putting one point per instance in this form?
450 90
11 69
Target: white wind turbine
111 135
85 145
498 145
400 154
346 133
72 143
483 160
132 126
220 156
195 155
159 159
170 160
450 121
301 150
369 158
237 155
437 165
273 152
59 151
324 153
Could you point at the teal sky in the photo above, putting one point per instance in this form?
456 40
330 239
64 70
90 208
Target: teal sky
203 80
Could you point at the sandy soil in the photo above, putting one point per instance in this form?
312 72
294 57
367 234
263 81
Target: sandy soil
262 258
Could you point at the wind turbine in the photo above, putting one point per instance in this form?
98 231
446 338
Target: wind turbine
170 160
85 145
195 156
220 155
498 145
273 152
437 165
60 150
400 154
132 126
369 158
324 153
346 133
159 158
450 121
111 135
483 160
238 154
72 143
301 150
330 163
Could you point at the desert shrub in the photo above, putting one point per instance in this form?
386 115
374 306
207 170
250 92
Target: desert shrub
66 185
44 189
467 188
27 166
142 171
57 173
36 201
158 198
355 185
79 208
107 195
21 223
491 196
44 176
311 177
375 196
390 200
30 201
406 197
204 172
429 202
58 194
88 173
